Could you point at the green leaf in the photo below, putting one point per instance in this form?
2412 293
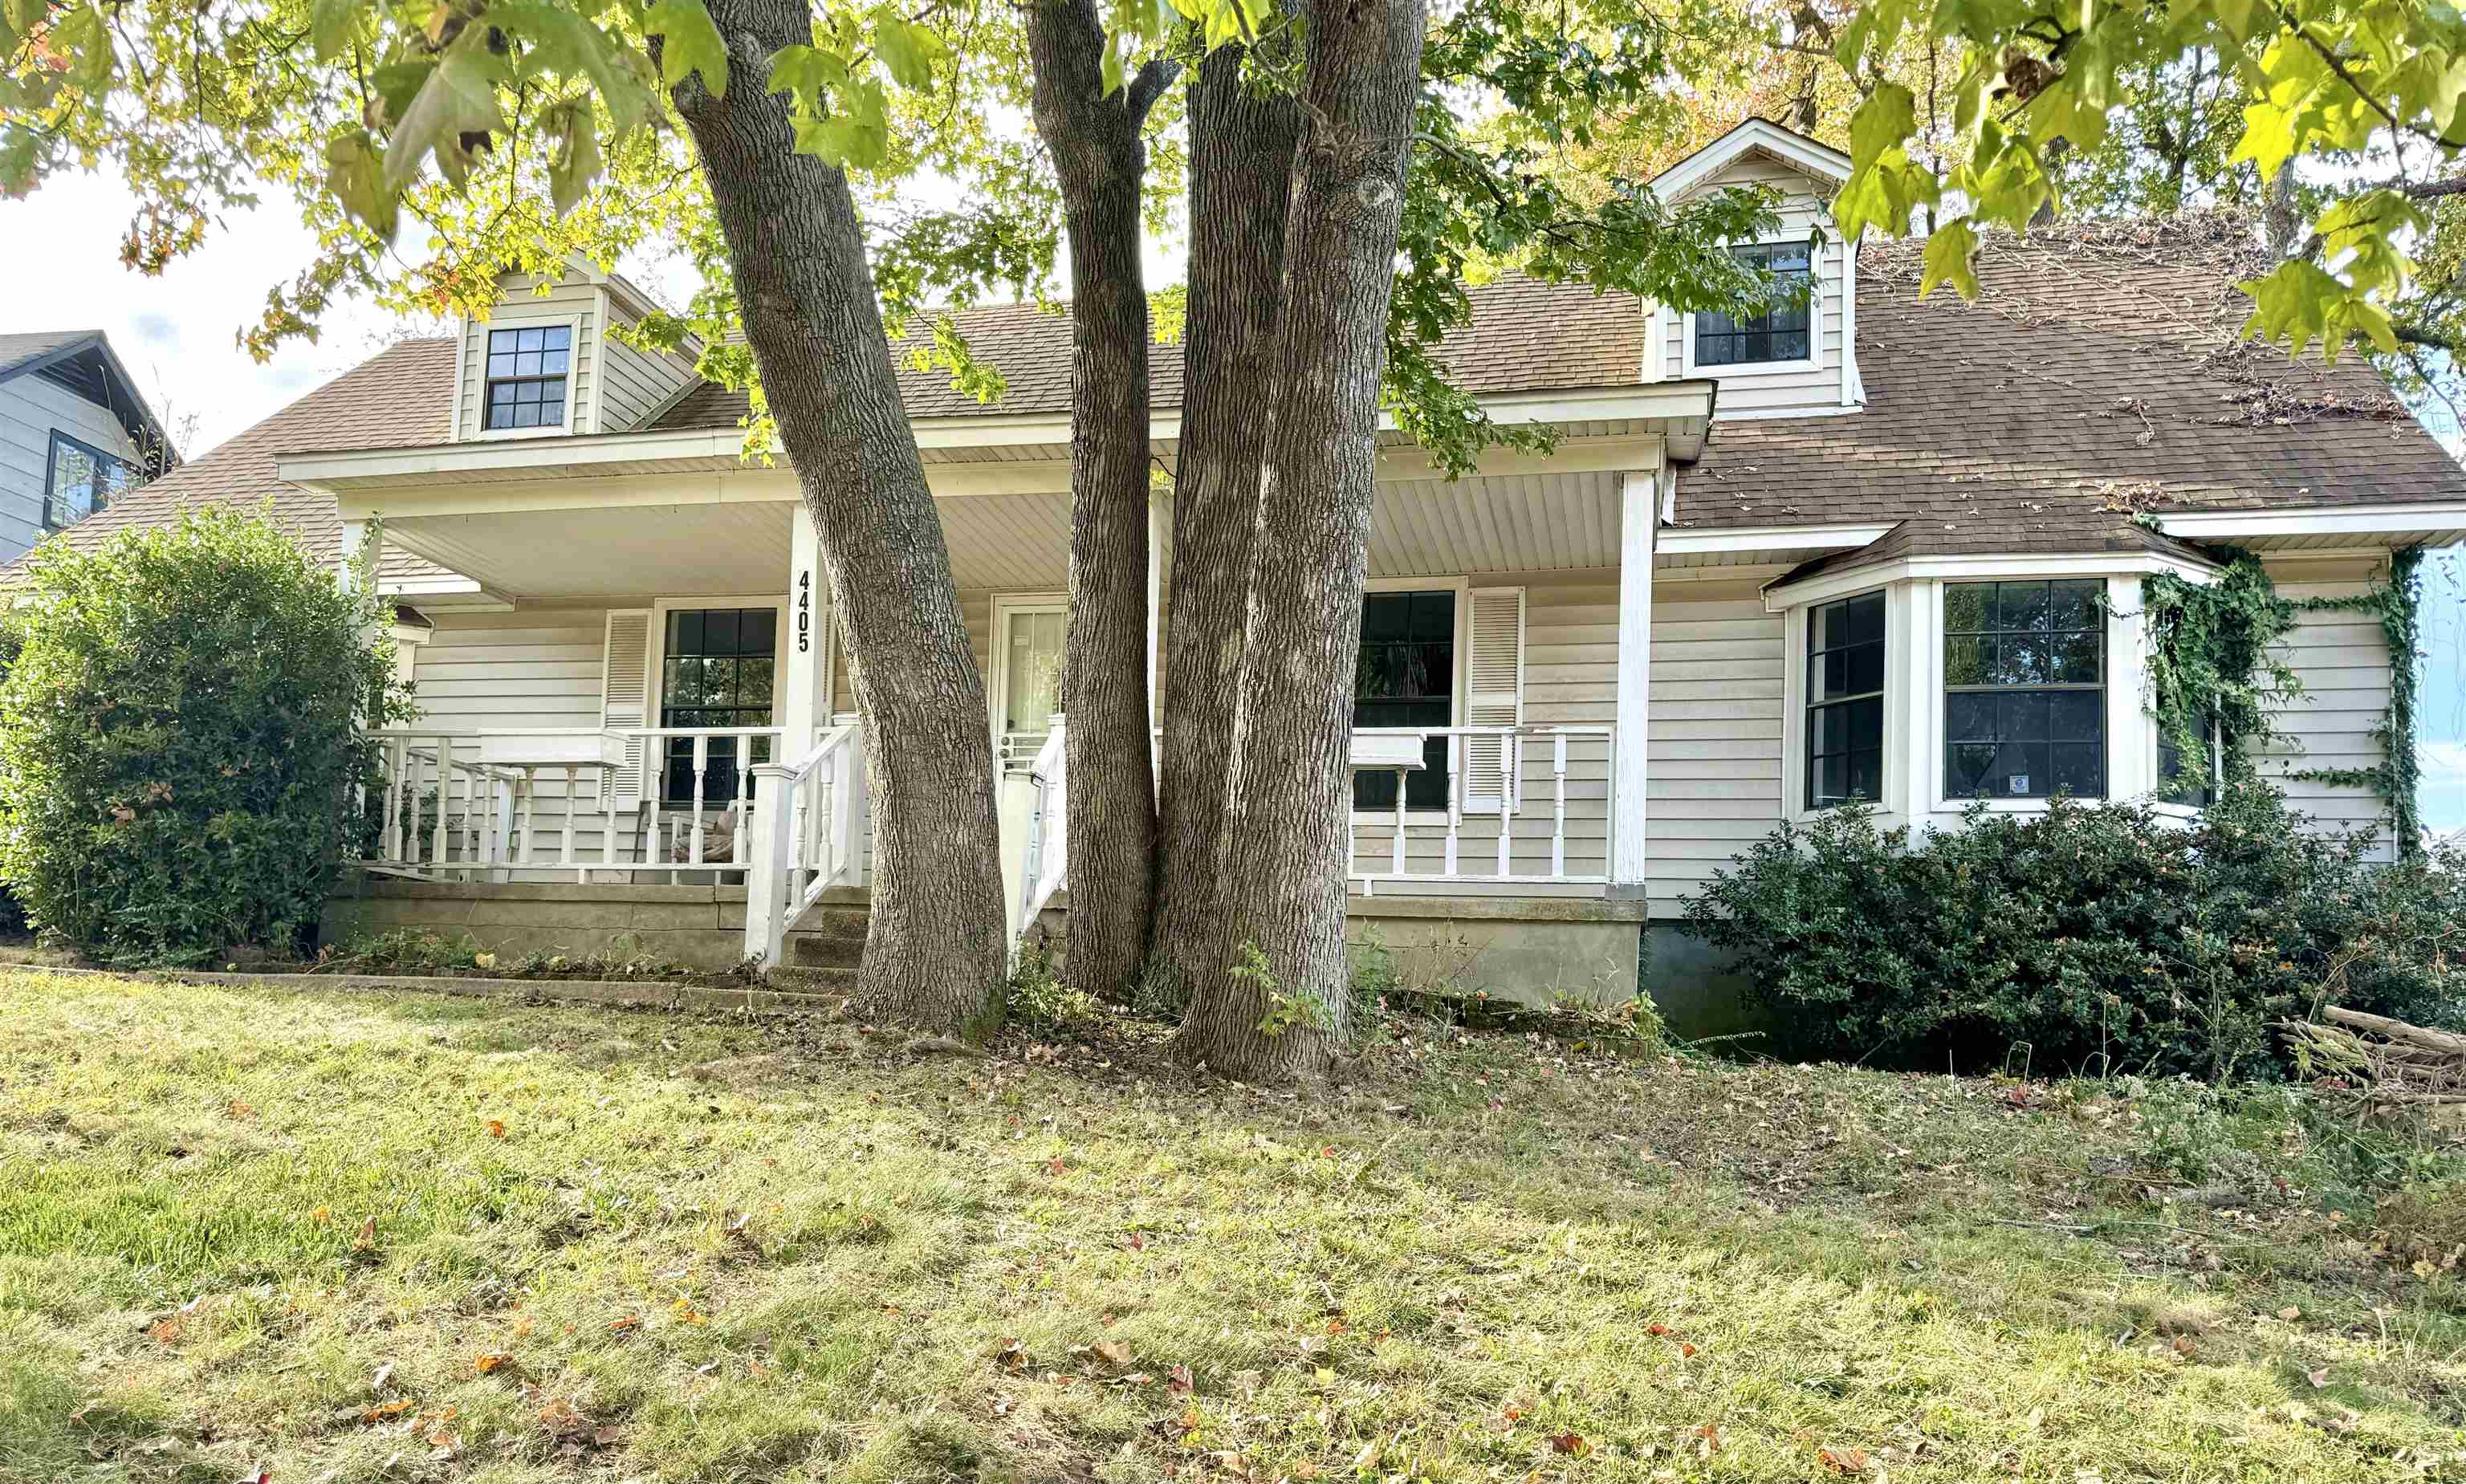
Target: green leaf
355 175
458 98
331 25
907 51
574 160
562 43
691 43
1949 258
808 74
2268 138
1889 115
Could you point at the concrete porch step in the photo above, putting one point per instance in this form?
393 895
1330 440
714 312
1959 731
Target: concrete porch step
806 980
829 936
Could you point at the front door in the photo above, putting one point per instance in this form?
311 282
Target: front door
1027 688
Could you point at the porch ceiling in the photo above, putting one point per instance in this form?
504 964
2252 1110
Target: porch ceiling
997 542
1520 523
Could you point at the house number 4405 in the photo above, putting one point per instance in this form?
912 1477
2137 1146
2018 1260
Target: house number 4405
804 612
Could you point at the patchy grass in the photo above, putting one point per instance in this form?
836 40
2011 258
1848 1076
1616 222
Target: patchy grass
353 1238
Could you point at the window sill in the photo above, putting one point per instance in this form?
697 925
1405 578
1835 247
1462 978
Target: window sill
493 435
1797 367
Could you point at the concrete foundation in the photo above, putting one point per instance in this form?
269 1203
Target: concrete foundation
701 926
1532 950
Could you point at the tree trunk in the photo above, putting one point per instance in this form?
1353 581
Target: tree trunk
935 952
1102 161
1286 841
1241 178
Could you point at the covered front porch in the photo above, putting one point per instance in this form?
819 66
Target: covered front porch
641 682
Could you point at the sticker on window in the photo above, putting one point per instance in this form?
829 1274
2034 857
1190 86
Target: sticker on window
2019 783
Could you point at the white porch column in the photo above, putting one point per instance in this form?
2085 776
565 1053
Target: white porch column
805 706
1639 516
1159 546
358 537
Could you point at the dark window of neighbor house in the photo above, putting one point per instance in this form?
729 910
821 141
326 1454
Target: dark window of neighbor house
82 480
1778 335
716 670
527 369
1406 676
2025 689
1844 701
2185 779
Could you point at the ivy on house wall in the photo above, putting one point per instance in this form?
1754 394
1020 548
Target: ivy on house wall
2398 604
2213 654
2213 659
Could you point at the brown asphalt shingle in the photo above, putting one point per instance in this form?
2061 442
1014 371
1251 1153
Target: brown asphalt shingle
1526 336
404 395
2099 372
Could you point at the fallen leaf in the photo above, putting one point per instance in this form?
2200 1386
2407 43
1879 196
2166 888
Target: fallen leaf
1843 1460
490 1362
625 1324
1114 1353
1136 1242
2185 1347
1054 1165
241 1110
385 1373
367 1239
2319 1378
1177 1381
496 1128
1685 1350
2290 1314
1570 1442
1010 1356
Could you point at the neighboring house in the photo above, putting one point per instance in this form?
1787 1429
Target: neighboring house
75 435
1876 547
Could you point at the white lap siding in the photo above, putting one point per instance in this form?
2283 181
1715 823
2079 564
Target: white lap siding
1715 734
534 667
2344 660
1570 679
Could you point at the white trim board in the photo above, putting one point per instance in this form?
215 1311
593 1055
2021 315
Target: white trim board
2316 521
1823 587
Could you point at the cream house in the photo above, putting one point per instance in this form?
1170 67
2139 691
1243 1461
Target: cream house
1889 549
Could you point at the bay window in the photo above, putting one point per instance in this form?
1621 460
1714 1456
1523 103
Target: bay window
2025 689
1844 701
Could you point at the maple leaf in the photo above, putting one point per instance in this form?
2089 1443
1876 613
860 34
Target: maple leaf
1177 1381
1843 1460
1570 1442
490 1362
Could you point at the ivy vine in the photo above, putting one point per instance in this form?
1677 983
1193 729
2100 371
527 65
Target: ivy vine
2213 663
2213 659
2398 604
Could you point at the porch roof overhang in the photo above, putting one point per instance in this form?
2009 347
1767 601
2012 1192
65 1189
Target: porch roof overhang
679 514
2323 530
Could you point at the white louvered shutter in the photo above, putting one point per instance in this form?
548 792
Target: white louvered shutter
1494 693
625 692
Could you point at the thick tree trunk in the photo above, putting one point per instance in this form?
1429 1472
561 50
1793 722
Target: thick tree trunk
935 954
1241 178
1285 844
1102 161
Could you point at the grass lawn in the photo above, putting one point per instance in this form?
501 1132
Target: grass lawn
348 1237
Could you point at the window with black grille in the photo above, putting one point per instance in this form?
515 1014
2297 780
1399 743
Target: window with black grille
1406 676
2025 691
715 671
1781 332
527 372
1844 701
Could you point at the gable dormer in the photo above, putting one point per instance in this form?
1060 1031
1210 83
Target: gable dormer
1790 361
543 363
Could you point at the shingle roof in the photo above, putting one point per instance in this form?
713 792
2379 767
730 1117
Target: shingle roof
1526 336
17 350
2098 373
403 395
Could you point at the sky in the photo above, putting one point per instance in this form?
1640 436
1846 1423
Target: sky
176 335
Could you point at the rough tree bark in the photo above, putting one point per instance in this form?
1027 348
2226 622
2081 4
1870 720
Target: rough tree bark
934 954
1102 161
1285 841
1240 174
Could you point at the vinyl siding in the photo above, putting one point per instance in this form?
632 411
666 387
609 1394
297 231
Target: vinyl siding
1570 679
632 384
1715 734
31 407
566 298
2344 661
1772 391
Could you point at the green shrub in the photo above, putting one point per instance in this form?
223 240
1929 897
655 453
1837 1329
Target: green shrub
2091 939
178 757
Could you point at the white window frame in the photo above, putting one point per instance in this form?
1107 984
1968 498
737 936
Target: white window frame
1461 585
662 607
479 431
998 670
1817 267
1913 779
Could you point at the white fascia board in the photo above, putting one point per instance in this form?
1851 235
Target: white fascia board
2315 521
1823 587
1675 542
514 457
1754 133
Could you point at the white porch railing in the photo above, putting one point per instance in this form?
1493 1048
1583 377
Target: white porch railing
471 805
815 842
1495 777
1045 853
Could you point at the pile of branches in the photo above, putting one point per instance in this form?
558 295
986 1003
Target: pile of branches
2378 1063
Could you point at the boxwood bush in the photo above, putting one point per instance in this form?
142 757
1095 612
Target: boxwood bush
178 752
2090 938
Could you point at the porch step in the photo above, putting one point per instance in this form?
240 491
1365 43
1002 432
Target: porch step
829 936
807 980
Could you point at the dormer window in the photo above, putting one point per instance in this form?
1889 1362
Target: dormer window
1781 332
526 376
